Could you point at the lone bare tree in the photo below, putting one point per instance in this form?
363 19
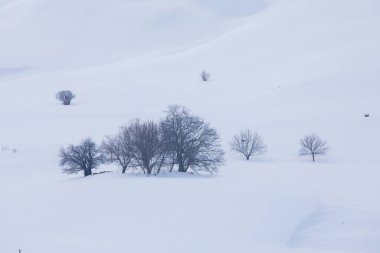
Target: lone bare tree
65 96
205 76
249 143
147 147
313 145
83 157
118 149
190 142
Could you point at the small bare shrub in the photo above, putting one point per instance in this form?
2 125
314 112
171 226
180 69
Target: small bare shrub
205 76
65 96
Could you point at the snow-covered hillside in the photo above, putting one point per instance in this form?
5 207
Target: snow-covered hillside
69 34
291 68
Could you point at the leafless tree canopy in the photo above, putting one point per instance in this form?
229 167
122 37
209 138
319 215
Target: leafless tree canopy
83 157
205 76
65 96
147 149
118 149
180 140
190 142
313 145
249 143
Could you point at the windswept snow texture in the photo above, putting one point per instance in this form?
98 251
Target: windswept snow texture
284 68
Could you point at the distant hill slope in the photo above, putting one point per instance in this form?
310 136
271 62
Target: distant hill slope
293 68
55 34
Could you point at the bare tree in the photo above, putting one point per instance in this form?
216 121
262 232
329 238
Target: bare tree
118 149
249 143
83 157
190 142
65 96
205 76
313 145
147 148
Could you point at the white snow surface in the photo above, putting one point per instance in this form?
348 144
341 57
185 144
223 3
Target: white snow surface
285 68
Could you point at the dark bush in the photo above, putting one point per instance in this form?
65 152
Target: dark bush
65 96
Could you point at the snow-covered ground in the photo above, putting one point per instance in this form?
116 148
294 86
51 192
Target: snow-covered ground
285 68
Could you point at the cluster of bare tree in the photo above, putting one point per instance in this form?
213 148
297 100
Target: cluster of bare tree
179 142
250 143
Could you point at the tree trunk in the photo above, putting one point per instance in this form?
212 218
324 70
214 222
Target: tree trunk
181 166
313 157
146 166
124 169
171 169
247 157
87 172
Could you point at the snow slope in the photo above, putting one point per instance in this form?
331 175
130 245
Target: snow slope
294 68
45 34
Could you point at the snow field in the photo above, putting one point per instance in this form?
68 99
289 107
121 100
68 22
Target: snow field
293 69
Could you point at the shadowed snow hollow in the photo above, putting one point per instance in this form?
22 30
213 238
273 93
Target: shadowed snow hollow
339 228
